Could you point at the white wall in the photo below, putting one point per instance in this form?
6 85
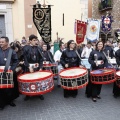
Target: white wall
71 10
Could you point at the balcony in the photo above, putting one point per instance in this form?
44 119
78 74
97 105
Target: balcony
105 6
12 1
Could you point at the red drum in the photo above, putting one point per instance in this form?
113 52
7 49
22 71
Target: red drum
118 78
103 76
74 78
51 67
36 83
6 79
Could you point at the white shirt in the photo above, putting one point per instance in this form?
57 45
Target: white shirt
57 55
52 50
86 52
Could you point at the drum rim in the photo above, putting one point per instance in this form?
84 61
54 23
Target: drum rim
36 93
38 79
8 71
49 65
117 72
75 76
76 87
102 74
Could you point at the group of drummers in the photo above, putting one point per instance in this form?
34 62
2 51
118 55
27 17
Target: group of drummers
34 67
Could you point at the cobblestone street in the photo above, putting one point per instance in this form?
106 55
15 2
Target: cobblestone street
56 107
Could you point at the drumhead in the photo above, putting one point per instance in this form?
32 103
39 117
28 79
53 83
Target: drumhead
102 71
35 75
118 73
73 72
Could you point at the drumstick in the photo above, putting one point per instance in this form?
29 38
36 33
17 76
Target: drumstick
95 56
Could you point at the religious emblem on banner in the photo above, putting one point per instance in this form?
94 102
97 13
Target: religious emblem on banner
42 21
93 29
81 31
106 23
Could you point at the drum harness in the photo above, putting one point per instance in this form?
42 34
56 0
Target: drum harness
109 60
79 58
7 63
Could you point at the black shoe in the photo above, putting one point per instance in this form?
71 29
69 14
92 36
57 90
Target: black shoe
58 86
88 96
26 98
12 104
98 97
41 97
94 99
1 107
66 96
115 96
74 96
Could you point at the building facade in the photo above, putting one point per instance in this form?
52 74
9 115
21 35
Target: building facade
16 17
115 12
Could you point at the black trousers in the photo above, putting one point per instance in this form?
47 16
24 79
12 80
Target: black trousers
88 91
70 92
7 95
96 89
116 89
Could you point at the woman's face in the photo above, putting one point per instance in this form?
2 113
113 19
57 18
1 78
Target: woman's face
100 46
72 45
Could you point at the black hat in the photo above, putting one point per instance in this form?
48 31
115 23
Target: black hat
69 42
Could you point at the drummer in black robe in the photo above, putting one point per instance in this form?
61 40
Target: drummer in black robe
69 59
116 89
47 55
109 50
7 95
32 55
95 56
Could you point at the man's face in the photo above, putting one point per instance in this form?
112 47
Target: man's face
89 45
44 47
3 43
33 42
62 46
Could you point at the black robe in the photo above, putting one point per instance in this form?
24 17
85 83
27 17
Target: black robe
9 94
110 49
48 56
71 58
95 89
32 55
116 89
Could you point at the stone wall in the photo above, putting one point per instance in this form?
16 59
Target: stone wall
115 12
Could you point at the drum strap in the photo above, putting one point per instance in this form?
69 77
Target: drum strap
8 60
108 59
50 57
79 57
40 52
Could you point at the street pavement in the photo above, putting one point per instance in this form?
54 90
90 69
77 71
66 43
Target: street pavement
56 107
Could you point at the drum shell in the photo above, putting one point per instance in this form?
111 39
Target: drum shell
6 79
74 82
51 67
36 86
103 78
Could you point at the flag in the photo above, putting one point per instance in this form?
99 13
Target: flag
93 29
80 31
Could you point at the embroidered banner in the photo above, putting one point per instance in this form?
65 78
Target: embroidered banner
80 31
93 30
106 23
42 21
